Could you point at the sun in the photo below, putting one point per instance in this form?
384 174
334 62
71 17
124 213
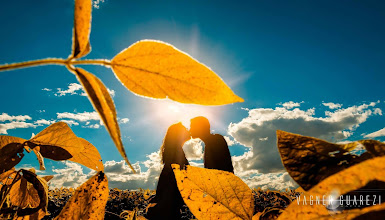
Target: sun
168 112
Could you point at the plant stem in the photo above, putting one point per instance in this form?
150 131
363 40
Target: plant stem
92 62
52 61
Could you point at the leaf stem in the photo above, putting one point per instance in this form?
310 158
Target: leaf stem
92 62
53 61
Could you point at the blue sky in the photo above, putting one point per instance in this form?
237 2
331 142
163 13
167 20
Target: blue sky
270 53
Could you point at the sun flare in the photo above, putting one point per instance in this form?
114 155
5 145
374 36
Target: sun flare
168 112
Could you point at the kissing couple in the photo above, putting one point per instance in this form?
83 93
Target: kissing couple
168 203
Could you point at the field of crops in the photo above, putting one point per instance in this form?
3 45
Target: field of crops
122 204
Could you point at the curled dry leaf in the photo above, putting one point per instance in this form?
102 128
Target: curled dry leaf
6 179
82 28
158 70
103 103
40 158
214 194
11 151
89 200
25 194
310 160
353 178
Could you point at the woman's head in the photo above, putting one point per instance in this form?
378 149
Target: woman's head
176 136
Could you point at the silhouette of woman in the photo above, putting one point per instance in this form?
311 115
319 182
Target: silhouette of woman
168 199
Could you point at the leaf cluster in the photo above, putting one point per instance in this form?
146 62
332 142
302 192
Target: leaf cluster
148 68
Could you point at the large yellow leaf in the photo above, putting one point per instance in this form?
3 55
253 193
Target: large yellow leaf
103 103
214 194
58 142
310 160
82 28
11 152
344 182
89 200
158 70
60 135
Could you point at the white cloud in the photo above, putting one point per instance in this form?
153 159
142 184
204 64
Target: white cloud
70 122
120 175
229 141
13 125
85 116
124 120
72 90
96 3
118 172
70 176
193 149
291 104
379 133
272 181
75 89
44 122
95 126
46 89
258 132
6 117
332 105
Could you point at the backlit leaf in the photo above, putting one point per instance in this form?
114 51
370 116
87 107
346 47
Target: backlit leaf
82 28
89 156
310 160
60 135
58 142
11 151
158 70
351 179
89 200
214 194
103 103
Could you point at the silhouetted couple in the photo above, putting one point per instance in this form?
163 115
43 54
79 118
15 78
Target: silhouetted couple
216 156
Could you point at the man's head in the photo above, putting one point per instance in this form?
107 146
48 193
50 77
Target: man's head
199 127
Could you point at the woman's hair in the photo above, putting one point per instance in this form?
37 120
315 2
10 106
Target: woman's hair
172 143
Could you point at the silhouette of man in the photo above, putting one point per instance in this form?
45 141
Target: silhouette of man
217 154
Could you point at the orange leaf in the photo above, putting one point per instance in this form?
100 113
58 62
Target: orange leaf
158 70
58 142
89 200
103 103
82 28
310 160
214 194
11 151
